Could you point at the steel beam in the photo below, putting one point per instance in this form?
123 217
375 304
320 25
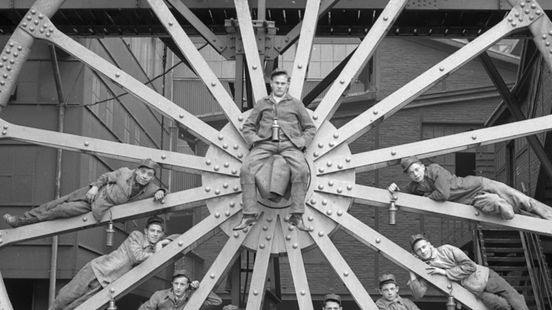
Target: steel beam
398 255
224 259
250 48
217 42
380 198
338 263
5 303
297 267
304 48
18 47
163 105
178 201
364 51
179 161
262 258
198 63
392 103
389 156
513 105
146 269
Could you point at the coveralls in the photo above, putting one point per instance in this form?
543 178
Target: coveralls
103 270
114 188
492 289
167 300
296 132
398 304
485 194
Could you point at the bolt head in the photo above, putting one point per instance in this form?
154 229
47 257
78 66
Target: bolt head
236 234
339 213
235 188
310 218
232 204
295 245
330 183
324 202
262 245
207 189
329 212
476 213
378 240
321 234
212 276
180 243
84 219
288 237
86 143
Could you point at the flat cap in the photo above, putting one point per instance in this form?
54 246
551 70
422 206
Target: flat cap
387 278
408 161
156 220
148 163
332 297
415 238
180 273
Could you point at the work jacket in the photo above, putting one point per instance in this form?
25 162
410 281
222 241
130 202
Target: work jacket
398 304
166 300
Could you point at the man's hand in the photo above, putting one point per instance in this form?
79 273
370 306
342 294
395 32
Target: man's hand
194 284
161 244
91 194
159 196
413 276
393 187
436 270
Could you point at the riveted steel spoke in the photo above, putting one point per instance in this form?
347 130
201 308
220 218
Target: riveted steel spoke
384 157
392 103
365 50
341 267
262 258
182 200
304 48
225 258
380 198
250 48
398 255
197 62
141 272
178 161
297 267
163 105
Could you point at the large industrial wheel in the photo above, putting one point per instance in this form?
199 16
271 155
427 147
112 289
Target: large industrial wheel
332 187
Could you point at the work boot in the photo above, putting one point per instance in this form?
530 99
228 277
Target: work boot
15 221
11 220
246 221
296 219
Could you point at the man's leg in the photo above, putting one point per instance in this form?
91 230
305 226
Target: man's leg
299 178
84 281
494 302
518 199
498 286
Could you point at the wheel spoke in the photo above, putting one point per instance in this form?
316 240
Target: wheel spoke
182 200
398 255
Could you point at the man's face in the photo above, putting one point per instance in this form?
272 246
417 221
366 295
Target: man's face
154 233
331 305
180 285
423 249
389 291
416 172
280 85
144 175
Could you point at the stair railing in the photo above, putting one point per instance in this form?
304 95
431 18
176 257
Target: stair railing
538 270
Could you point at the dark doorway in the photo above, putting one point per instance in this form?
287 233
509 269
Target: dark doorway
465 164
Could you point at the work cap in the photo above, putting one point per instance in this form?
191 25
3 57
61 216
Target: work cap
148 163
408 161
156 220
387 278
332 297
180 273
415 238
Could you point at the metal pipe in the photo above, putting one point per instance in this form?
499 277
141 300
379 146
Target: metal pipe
59 157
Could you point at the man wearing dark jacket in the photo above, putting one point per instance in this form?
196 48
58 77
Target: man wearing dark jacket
489 196
278 124
112 188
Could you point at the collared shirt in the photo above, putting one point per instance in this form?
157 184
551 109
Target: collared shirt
293 118
134 250
458 267
167 300
398 304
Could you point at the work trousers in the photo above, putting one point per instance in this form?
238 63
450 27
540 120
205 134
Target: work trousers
255 160
497 290
70 205
516 199
83 286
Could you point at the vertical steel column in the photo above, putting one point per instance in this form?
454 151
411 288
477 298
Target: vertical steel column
5 303
59 157
18 47
261 10
513 106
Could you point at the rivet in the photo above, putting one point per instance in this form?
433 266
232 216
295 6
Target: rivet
315 117
268 238
339 190
84 219
544 35
527 11
547 43
220 137
29 17
329 212
24 24
441 69
295 245
349 187
4 58
7 51
170 23
180 243
117 74
31 28
213 84
310 218
329 164
4 132
531 17
217 191
262 246
217 215
514 24
255 293
208 162
286 218
2 82
234 171
474 137
321 234
510 19
15 54
331 144
320 145
236 234
313 201
522 4
538 12
315 154
449 286
240 155
321 169
303 293
225 146
19 47
300 66
112 290
330 183
33 11
235 188
336 135
86 143
227 213
378 240
290 228
216 168
181 115
207 189
225 185
311 228
346 274
51 29
342 81
375 112
476 213
5 127
265 227
339 213
339 166
269 219
385 18
36 22
393 153
163 156
232 204
254 67
235 146
40 16
320 186
288 237
240 118
324 202
212 276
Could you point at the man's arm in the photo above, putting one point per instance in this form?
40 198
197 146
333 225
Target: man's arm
381 305
442 178
465 266
212 300
152 303
138 252
417 286
250 125
410 305
309 130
